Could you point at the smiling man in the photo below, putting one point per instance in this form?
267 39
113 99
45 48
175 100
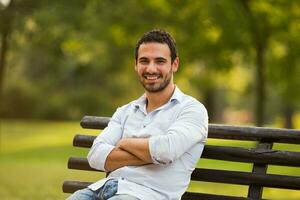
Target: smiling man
151 145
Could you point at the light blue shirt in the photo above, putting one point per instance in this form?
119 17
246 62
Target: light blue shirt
177 132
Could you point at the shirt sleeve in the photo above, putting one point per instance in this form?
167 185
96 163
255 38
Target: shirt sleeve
190 128
106 141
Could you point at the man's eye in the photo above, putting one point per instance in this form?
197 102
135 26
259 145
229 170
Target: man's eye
160 61
143 61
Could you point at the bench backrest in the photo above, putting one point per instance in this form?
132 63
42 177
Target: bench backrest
261 156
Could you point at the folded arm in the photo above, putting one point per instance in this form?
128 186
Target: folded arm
105 154
189 129
118 158
138 147
110 151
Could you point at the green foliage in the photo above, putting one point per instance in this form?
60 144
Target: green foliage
67 59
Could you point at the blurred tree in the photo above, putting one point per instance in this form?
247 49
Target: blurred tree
284 59
246 28
259 29
6 15
204 53
12 15
70 59
36 58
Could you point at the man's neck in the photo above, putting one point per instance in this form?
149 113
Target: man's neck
157 99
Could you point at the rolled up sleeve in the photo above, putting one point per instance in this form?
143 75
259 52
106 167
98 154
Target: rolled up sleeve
190 128
105 142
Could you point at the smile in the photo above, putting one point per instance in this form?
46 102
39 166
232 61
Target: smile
151 77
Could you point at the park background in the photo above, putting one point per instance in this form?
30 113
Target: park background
61 60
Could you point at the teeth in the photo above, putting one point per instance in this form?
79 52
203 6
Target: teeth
151 77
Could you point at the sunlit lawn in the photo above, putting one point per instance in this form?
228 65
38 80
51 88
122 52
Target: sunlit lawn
33 163
34 154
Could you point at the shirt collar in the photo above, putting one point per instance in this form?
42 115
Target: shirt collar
176 97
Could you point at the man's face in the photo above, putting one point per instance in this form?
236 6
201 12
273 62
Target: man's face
154 67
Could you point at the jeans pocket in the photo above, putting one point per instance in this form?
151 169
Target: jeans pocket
109 189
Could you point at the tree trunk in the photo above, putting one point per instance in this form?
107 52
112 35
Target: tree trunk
6 16
288 113
209 104
260 40
259 86
212 104
5 20
3 50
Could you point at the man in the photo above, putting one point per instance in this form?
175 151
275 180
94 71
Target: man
151 145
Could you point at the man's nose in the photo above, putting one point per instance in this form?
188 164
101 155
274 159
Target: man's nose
151 67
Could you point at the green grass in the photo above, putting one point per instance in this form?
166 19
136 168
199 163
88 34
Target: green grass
34 154
33 161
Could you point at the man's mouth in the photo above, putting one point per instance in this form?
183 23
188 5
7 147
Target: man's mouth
151 77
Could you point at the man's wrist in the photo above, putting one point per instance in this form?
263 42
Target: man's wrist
122 143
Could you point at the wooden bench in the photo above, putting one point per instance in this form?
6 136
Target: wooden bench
261 156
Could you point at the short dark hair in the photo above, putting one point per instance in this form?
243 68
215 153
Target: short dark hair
160 36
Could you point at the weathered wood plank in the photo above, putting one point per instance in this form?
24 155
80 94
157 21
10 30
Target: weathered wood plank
202 196
80 164
222 131
80 140
252 155
93 122
236 154
72 186
220 176
246 178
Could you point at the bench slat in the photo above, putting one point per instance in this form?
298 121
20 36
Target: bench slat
203 196
83 140
80 164
92 122
253 155
220 176
221 131
246 178
72 186
237 154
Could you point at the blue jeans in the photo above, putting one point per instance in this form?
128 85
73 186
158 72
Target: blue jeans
106 192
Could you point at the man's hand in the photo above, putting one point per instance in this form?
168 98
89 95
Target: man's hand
139 147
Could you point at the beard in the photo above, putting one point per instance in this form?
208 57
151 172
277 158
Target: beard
156 87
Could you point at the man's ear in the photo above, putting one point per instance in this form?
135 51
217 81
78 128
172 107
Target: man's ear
175 65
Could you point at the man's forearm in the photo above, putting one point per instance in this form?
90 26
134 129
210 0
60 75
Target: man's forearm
139 147
118 158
